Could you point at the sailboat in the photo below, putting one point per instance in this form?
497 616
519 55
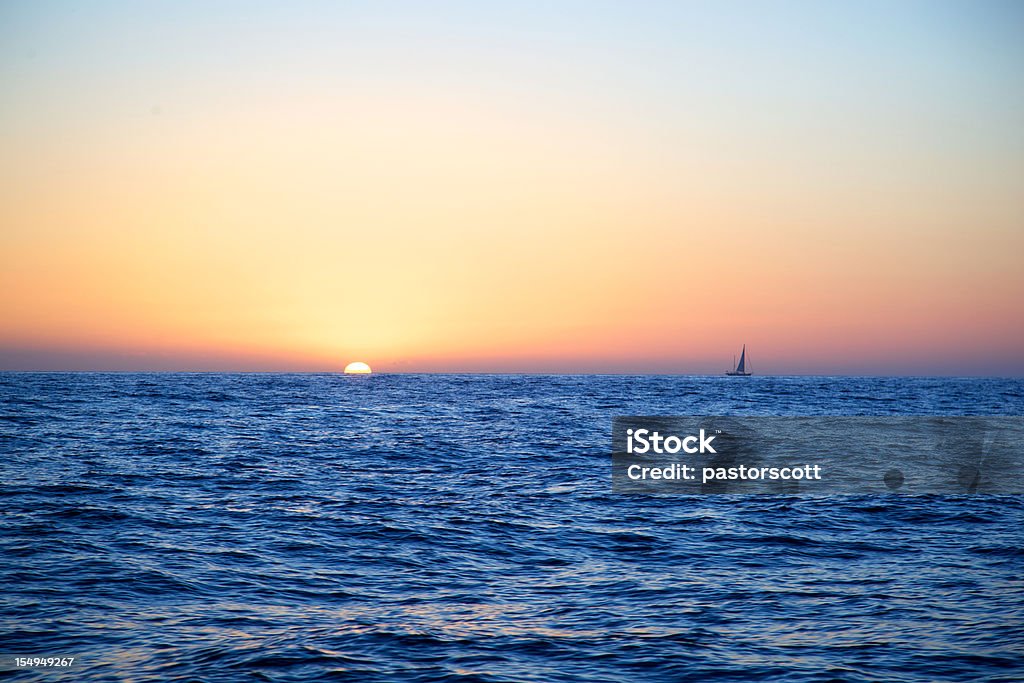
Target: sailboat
740 369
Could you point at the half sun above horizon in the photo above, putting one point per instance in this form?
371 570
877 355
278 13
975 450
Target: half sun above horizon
357 368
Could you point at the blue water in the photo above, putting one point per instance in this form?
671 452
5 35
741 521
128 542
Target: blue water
268 527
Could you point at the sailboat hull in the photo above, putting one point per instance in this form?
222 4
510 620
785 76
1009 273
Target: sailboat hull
739 374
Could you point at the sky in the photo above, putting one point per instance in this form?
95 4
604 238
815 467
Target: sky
513 187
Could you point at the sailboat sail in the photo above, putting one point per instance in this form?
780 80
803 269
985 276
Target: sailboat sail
742 366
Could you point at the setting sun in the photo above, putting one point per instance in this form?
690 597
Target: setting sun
357 368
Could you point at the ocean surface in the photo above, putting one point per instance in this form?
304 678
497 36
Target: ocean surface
295 527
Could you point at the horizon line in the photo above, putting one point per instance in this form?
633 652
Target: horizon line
492 373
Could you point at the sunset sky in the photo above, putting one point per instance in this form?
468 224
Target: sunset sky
550 186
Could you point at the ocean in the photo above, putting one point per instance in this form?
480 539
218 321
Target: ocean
305 527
